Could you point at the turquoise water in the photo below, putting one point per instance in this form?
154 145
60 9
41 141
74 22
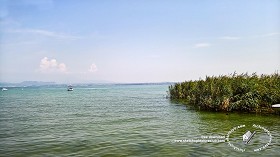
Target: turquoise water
121 120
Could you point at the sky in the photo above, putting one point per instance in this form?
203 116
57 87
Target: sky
132 41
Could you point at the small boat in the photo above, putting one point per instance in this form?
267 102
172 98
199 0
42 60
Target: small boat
70 88
4 89
276 106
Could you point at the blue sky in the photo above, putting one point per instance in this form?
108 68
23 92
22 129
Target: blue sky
70 41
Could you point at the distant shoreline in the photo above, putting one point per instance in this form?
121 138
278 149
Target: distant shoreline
53 84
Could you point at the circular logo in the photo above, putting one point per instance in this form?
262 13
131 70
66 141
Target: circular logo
251 138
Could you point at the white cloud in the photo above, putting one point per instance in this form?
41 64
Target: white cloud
250 37
44 33
230 38
52 65
62 67
271 34
93 68
201 45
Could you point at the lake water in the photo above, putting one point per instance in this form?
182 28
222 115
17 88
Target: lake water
124 120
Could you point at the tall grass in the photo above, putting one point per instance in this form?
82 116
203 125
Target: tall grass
234 92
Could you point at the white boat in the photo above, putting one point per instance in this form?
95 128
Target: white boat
4 89
70 88
276 106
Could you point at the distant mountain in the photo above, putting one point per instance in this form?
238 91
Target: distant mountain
149 83
36 83
41 83
26 83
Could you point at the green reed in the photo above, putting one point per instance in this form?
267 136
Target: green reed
234 92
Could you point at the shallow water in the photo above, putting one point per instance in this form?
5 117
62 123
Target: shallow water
122 120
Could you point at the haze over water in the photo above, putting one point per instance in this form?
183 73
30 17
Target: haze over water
120 120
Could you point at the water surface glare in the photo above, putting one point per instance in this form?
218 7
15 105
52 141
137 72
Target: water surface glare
121 120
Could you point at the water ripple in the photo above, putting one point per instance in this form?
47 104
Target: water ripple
117 121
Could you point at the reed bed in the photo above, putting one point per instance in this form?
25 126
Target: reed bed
234 92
